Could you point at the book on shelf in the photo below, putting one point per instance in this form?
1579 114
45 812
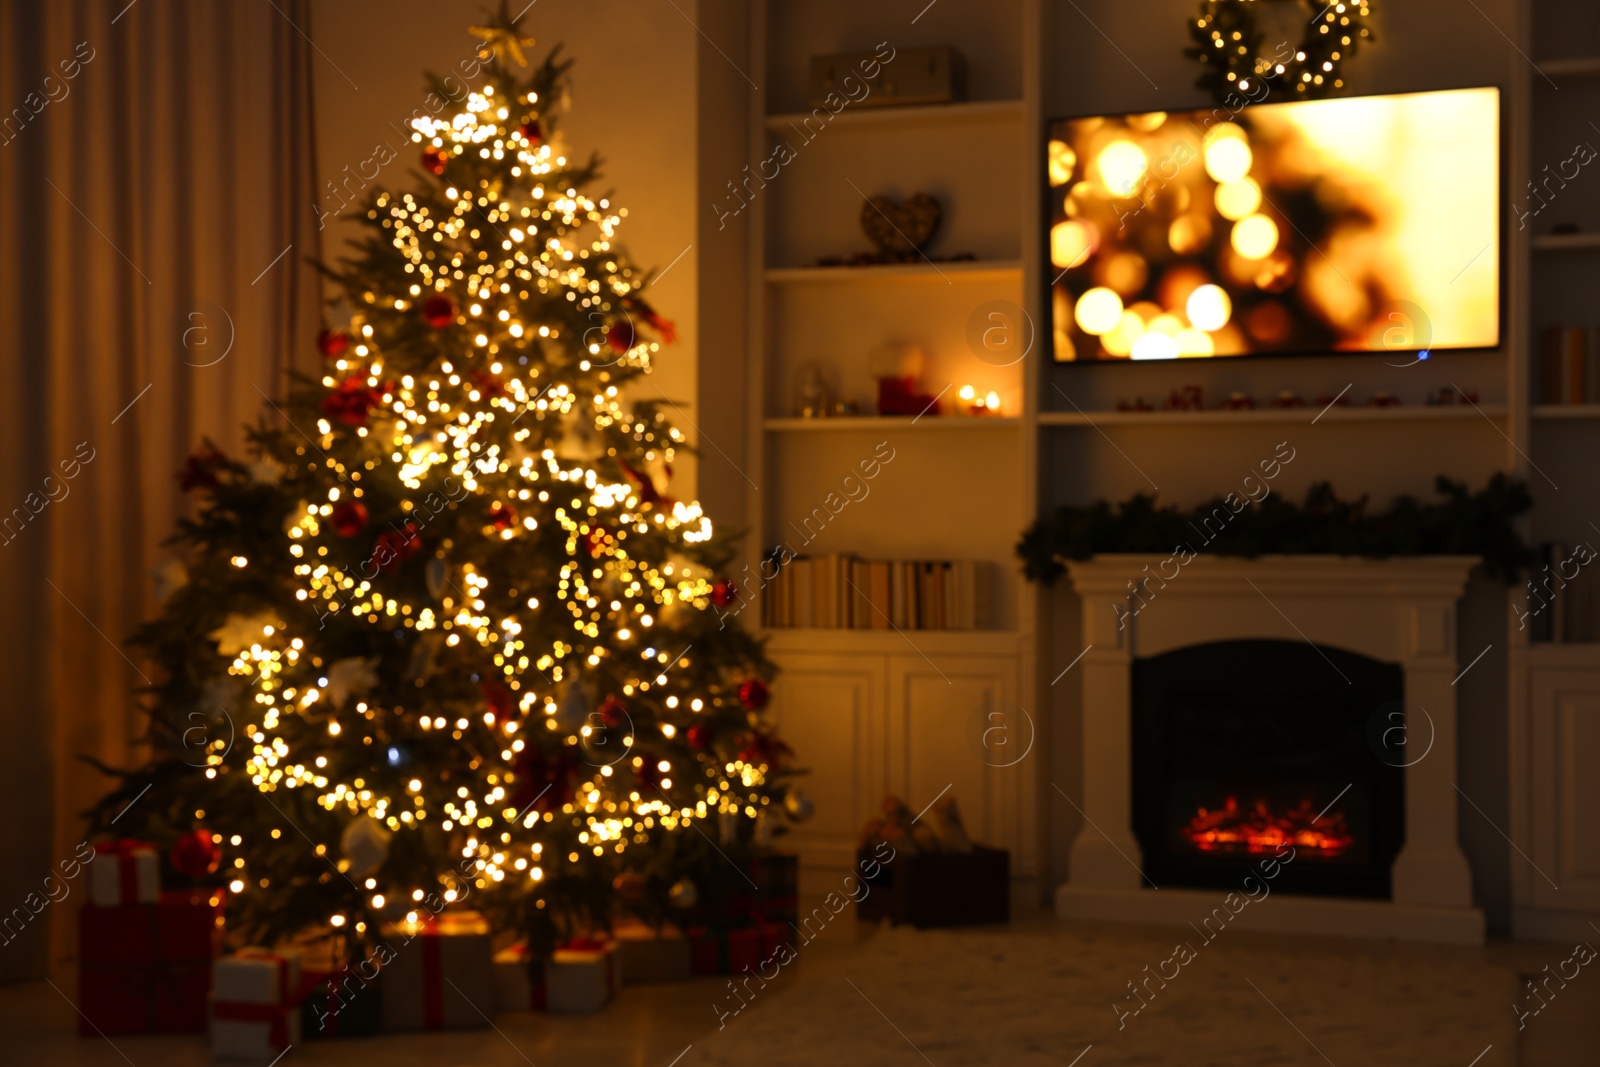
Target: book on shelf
1560 602
1567 370
844 592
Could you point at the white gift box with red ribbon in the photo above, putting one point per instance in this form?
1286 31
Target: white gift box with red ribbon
255 1013
124 872
580 977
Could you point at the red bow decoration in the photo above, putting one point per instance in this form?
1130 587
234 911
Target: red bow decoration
657 322
200 470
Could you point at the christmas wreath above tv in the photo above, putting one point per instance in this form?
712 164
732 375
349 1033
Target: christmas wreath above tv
1464 523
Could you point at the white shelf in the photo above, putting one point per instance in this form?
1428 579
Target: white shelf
1566 412
1413 413
929 642
922 424
890 114
1566 242
969 269
1569 69
1581 655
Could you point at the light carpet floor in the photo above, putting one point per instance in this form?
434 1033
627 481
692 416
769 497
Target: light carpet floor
1044 994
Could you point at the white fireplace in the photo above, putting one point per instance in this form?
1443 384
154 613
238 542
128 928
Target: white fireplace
1396 611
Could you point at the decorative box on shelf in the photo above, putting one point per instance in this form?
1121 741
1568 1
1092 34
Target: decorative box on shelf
888 77
935 889
146 968
441 976
255 1010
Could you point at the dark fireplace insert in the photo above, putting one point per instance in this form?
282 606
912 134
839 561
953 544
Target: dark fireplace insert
1242 749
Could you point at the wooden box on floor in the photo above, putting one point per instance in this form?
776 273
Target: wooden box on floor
934 889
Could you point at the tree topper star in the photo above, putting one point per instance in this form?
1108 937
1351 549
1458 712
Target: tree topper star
502 40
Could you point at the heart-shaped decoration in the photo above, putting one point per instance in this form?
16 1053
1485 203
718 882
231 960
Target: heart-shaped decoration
900 230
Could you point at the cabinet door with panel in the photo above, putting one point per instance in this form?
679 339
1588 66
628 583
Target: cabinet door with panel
830 709
956 729
1564 753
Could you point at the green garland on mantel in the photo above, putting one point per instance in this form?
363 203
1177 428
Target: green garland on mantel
1465 523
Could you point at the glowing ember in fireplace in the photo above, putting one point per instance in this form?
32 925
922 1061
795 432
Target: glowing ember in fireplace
1259 829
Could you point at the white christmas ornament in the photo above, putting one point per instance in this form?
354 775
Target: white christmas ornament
797 805
351 677
239 632
365 843
266 471
684 894
169 576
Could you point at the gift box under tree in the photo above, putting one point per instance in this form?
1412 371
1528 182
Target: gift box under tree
124 872
716 950
581 976
342 1003
649 954
765 887
255 1011
146 968
441 976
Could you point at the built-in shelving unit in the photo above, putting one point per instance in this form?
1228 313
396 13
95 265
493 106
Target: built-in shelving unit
1554 736
888 710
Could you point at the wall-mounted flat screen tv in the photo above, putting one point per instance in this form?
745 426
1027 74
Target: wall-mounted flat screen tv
1359 224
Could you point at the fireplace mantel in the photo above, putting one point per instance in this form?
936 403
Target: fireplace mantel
1400 610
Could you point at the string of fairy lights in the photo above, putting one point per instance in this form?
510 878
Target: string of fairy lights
492 265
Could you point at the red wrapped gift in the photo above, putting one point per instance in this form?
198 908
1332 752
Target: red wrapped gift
441 975
734 951
146 968
255 1010
124 872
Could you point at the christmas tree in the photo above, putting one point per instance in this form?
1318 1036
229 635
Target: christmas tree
447 638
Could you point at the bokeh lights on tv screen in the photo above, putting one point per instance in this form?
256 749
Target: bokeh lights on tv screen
1360 224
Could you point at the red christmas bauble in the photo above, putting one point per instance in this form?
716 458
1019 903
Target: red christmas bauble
498 699
594 542
195 854
394 547
351 401
332 343
613 712
699 736
434 160
533 132
724 592
622 336
439 311
630 887
502 516
349 517
753 694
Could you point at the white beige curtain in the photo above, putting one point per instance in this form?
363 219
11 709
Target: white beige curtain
156 185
